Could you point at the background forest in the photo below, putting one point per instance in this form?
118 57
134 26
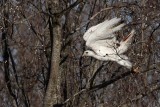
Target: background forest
41 49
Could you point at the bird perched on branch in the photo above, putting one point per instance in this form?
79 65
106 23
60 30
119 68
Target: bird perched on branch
103 42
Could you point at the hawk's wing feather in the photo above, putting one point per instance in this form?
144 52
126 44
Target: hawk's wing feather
102 31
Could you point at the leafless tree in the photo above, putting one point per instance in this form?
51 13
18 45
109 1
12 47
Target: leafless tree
41 54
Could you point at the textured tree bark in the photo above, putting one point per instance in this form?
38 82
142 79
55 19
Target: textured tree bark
53 94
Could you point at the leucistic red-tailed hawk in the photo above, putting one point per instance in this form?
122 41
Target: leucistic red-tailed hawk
103 42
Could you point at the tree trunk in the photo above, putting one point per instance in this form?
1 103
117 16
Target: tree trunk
53 94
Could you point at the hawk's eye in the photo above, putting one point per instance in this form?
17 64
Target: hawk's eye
86 52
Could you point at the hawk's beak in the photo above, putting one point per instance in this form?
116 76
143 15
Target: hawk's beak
83 55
